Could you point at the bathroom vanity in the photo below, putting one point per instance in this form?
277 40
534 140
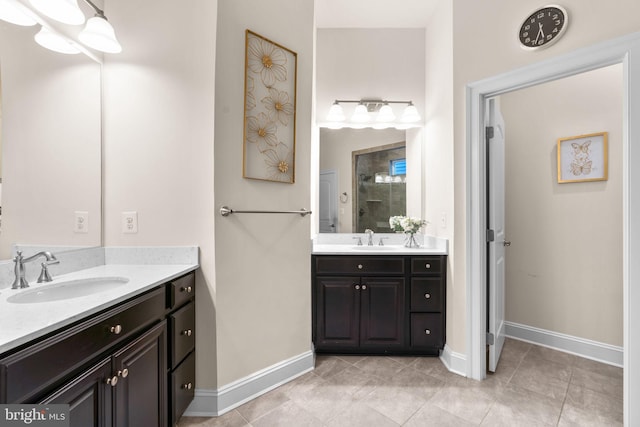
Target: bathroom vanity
126 361
379 300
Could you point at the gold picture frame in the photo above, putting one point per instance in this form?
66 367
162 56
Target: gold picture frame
583 158
269 138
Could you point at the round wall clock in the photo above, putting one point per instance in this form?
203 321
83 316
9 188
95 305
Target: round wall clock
543 27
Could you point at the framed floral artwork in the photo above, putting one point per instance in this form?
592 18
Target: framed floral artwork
269 110
583 158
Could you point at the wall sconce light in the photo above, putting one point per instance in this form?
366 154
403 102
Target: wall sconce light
363 114
98 33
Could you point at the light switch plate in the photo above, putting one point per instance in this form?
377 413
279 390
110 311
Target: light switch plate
130 222
81 222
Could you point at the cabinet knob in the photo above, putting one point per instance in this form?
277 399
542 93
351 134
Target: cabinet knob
186 386
112 381
359 266
427 266
357 287
186 289
364 287
124 373
116 329
427 331
186 332
427 295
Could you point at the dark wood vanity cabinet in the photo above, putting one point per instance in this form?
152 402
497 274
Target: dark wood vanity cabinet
117 367
379 304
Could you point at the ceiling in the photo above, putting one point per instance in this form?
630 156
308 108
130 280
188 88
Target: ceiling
373 13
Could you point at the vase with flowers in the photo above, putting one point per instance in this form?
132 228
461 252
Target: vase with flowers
409 226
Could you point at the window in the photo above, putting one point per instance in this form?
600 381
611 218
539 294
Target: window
398 167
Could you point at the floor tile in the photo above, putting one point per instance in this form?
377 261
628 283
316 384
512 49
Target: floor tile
431 415
597 382
230 419
598 404
394 403
577 417
285 415
471 404
515 406
360 415
260 406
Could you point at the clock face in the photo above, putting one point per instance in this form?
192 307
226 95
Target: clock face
543 27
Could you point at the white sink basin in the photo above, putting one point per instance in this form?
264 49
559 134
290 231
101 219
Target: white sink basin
67 290
374 248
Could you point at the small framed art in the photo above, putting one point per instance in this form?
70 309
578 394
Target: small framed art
269 110
583 158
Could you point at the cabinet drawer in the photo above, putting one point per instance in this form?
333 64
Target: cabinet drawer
182 387
35 369
359 265
426 294
426 330
427 265
183 333
181 290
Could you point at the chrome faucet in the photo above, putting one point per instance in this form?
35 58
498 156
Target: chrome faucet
20 281
369 233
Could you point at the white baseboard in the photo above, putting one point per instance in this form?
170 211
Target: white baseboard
605 353
211 403
454 362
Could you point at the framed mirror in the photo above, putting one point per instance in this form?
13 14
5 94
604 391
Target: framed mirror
50 144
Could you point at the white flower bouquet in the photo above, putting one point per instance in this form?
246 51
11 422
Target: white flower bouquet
406 224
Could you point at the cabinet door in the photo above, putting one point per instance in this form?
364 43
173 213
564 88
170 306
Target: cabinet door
141 392
337 312
383 311
88 397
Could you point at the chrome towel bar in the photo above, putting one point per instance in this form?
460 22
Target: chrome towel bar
226 211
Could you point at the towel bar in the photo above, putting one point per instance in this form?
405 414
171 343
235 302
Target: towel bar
226 211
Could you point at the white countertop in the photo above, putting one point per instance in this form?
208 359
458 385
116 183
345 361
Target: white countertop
21 323
346 244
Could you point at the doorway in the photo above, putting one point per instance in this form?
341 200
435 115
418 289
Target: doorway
625 50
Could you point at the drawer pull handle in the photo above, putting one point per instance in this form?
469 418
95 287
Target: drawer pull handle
427 266
116 329
359 266
427 295
364 287
187 386
427 331
186 332
357 287
124 373
186 289
112 381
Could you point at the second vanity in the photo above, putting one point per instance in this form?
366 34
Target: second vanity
122 355
379 299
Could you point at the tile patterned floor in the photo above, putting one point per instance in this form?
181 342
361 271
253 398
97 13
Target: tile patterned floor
533 386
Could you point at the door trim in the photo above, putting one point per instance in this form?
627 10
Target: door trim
624 50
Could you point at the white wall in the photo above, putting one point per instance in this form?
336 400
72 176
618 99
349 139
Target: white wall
481 51
50 143
564 267
336 147
369 63
263 278
159 137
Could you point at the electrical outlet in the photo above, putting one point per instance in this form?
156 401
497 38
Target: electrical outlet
81 223
130 222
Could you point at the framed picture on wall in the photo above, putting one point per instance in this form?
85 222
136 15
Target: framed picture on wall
269 110
583 158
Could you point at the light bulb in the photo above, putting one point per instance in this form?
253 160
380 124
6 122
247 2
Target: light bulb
410 114
336 113
361 114
385 114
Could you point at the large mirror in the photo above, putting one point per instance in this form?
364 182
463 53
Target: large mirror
50 144
366 176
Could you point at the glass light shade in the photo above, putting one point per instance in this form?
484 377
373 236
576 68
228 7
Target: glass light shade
385 114
410 114
360 114
336 113
15 13
55 42
65 11
98 34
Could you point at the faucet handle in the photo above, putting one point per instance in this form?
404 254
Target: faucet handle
381 242
359 240
45 276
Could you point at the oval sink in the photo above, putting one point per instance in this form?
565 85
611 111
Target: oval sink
67 290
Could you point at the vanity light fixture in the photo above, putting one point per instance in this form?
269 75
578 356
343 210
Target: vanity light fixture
15 13
65 11
99 34
55 42
385 116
